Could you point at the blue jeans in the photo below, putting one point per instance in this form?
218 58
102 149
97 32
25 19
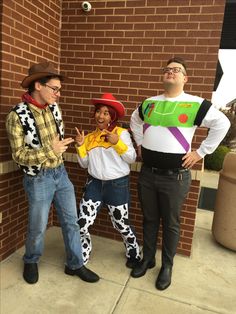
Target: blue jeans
52 186
109 192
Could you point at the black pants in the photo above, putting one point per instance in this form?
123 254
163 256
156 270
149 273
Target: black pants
161 197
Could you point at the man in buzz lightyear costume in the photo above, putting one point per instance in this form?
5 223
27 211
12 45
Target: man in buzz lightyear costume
163 127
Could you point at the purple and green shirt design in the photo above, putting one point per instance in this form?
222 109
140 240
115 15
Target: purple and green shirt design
170 114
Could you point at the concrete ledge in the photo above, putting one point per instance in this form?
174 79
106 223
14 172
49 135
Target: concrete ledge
70 157
197 174
210 179
10 166
136 166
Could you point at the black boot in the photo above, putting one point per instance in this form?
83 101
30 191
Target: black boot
83 273
30 273
142 267
132 262
164 278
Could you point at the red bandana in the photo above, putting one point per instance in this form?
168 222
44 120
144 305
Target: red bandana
27 98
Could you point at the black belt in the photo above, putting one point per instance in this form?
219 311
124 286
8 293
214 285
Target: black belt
166 172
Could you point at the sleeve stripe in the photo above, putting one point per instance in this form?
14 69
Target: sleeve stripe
205 106
140 112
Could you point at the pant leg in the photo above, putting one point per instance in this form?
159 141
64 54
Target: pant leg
116 196
87 215
120 221
40 190
149 201
89 206
65 204
172 192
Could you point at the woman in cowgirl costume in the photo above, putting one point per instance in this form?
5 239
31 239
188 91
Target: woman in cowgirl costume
107 152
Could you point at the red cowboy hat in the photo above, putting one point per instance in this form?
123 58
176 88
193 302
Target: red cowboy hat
109 100
38 71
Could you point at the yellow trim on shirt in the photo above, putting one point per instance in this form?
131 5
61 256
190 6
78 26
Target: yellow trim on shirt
81 150
97 139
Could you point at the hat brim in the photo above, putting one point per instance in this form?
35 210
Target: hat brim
118 106
31 78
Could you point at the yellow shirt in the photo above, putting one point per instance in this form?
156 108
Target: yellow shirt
46 127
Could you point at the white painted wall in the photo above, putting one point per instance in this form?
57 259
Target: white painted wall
226 90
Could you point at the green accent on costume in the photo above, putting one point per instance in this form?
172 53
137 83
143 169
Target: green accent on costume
170 113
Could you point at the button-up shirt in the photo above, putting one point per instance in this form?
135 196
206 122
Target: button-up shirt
25 156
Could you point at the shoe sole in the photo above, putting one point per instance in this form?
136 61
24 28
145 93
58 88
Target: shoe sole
163 288
32 281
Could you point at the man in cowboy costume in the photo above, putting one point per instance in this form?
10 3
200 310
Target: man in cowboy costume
36 134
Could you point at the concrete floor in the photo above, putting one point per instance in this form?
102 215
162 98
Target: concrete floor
210 179
203 283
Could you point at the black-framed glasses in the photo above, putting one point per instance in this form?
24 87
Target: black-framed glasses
173 70
55 90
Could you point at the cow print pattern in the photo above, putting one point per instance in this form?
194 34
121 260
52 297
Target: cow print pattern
32 138
119 219
87 215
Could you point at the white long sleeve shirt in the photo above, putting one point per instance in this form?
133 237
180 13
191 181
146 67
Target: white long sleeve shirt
104 160
158 138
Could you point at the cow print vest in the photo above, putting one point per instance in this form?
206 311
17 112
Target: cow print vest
32 136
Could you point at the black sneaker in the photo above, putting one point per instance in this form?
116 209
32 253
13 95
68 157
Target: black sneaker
30 273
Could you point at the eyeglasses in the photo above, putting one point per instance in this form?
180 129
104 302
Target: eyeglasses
55 90
174 70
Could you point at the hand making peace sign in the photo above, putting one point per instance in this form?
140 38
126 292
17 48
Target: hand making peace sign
113 138
79 137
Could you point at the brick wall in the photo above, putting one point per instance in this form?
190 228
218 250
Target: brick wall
30 32
118 47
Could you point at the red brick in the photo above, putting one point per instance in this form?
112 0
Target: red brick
119 48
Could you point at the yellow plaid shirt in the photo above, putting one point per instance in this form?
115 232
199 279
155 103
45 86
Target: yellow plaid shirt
46 126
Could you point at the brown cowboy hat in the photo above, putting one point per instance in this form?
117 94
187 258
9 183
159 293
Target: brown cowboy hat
109 100
38 71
